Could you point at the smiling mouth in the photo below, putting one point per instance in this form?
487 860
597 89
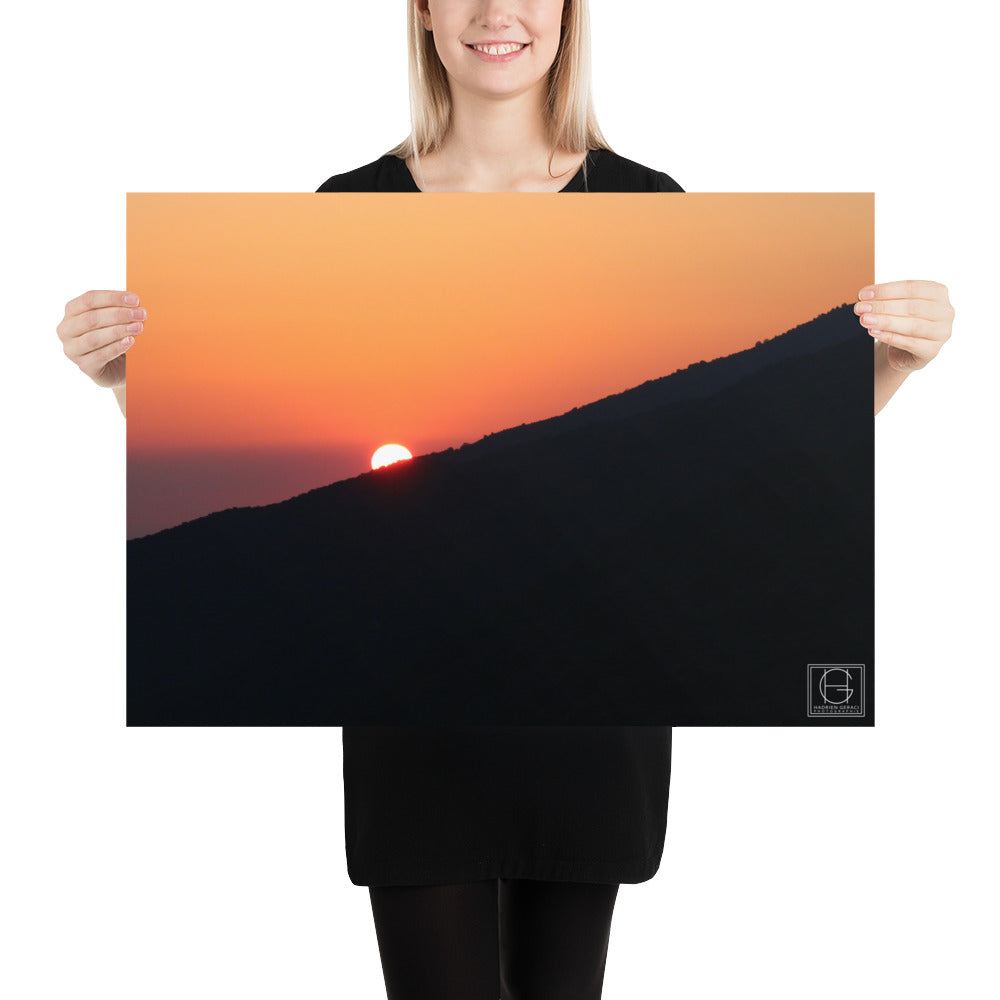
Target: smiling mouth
499 50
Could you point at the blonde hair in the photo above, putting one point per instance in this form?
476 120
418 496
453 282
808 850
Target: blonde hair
571 122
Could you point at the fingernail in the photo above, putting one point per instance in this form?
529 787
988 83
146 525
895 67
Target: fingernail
130 299
867 292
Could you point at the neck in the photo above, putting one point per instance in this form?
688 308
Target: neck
497 139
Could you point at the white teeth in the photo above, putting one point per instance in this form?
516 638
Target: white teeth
497 50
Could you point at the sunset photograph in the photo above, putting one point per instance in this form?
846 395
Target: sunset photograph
388 457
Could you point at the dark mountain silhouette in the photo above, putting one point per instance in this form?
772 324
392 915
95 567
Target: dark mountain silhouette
701 379
675 554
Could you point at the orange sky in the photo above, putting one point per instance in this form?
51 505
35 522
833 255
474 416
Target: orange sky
305 319
348 320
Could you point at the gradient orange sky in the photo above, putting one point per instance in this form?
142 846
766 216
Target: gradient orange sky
349 320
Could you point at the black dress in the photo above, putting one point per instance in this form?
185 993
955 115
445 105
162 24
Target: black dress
437 805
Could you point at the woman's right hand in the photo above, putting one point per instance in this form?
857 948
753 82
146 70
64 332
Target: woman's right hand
97 330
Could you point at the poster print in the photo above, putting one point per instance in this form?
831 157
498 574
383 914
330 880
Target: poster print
500 459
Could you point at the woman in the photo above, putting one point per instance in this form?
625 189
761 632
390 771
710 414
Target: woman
493 855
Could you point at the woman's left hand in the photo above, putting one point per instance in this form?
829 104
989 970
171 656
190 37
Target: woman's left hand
912 318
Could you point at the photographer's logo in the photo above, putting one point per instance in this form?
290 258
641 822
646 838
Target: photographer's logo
836 689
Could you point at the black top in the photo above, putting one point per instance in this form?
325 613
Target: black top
427 805
606 171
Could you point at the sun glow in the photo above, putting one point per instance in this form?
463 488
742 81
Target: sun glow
388 454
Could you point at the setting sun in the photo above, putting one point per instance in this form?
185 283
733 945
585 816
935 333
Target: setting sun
388 454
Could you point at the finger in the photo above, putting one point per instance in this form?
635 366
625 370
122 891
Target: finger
96 299
93 362
929 309
87 343
908 326
912 289
917 346
95 320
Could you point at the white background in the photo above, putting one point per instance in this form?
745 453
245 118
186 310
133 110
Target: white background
210 863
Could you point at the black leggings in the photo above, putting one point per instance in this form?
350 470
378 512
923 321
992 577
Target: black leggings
515 939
